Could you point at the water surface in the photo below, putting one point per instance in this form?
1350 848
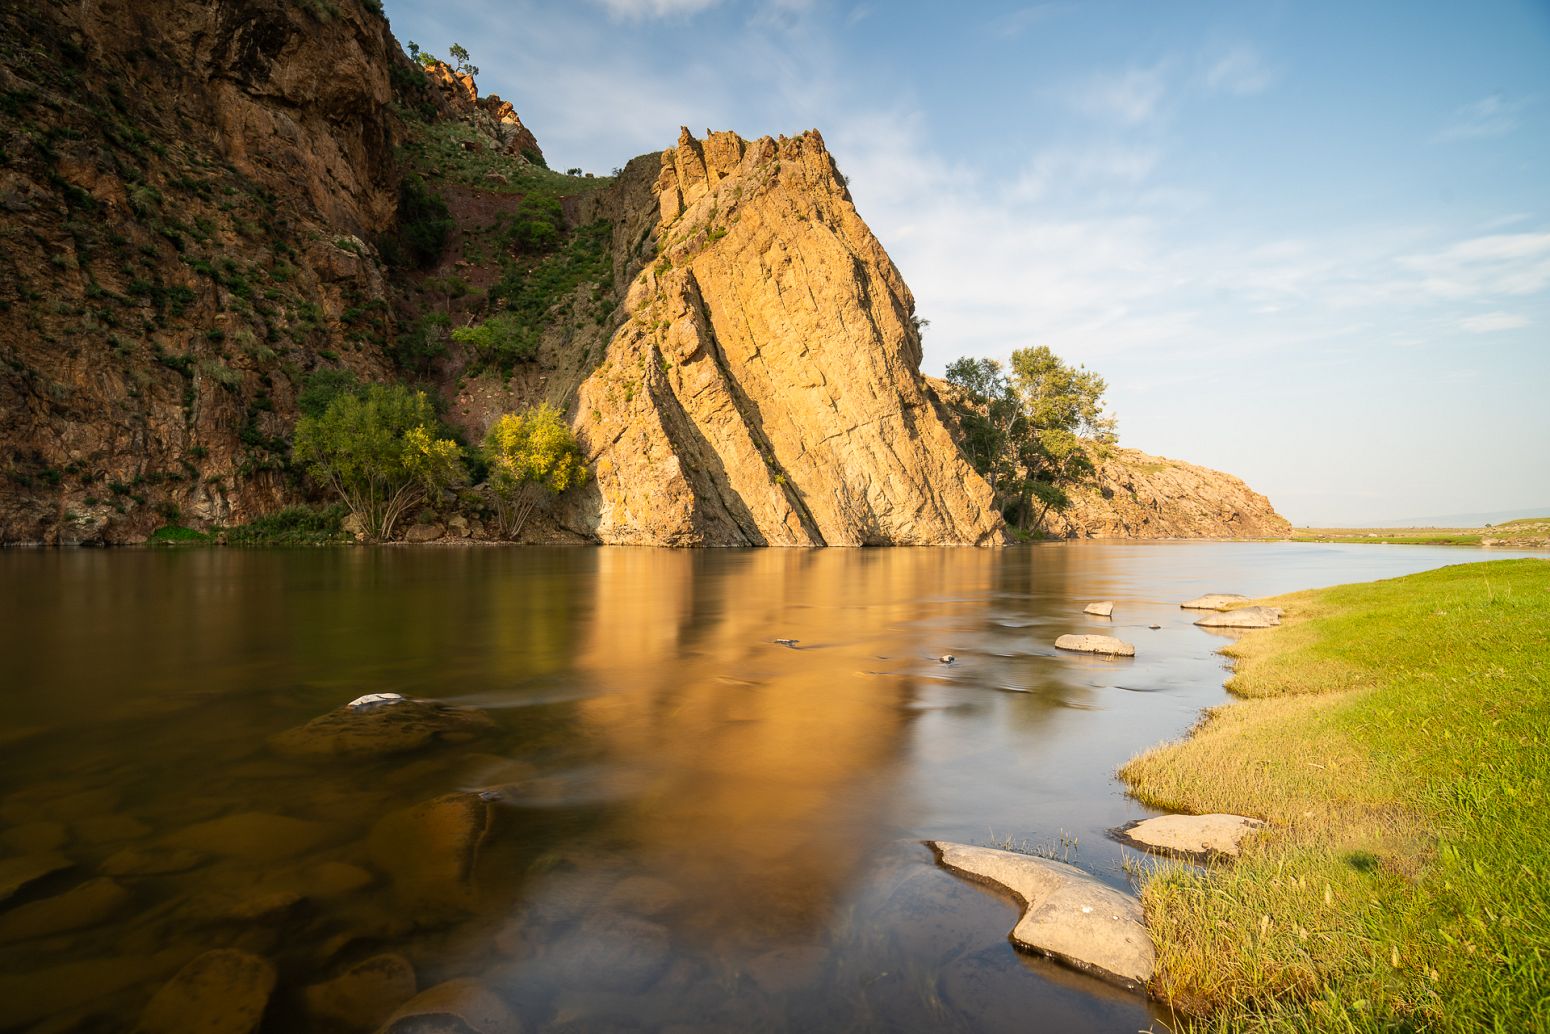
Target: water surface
702 828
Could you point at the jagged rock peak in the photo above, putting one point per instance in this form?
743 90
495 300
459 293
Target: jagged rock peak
458 96
764 387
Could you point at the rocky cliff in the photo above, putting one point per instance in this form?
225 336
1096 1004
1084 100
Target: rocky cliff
1149 497
764 387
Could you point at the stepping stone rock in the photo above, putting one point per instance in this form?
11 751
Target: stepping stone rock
16 873
1243 617
85 905
224 991
431 850
1214 601
363 996
1067 914
1104 644
374 725
1192 836
455 1007
1102 610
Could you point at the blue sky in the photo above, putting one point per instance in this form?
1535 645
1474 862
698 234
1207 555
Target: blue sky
1305 243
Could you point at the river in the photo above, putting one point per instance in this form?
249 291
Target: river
700 828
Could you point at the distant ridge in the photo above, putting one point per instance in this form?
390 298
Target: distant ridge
1464 520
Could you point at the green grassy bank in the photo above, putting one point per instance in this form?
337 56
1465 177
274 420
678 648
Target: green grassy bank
1396 735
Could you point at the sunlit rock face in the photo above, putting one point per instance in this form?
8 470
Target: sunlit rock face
764 388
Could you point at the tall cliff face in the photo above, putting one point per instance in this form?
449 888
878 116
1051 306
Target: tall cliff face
764 386
187 195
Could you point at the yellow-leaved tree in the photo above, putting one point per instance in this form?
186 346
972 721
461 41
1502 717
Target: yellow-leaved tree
530 454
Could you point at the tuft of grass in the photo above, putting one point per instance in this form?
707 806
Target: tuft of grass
1393 735
175 534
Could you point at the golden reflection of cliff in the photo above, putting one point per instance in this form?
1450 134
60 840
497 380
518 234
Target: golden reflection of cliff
766 772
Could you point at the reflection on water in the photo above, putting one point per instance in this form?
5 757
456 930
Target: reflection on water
688 824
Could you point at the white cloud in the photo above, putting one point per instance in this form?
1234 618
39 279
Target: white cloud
1015 23
1496 264
1488 117
1083 169
1489 322
1132 96
1241 71
639 9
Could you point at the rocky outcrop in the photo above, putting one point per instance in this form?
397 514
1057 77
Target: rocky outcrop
1104 644
457 95
1148 497
1197 837
764 386
1243 617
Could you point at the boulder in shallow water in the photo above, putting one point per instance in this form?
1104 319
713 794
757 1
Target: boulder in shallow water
224 991
431 850
1067 914
1099 610
86 905
1214 601
424 532
1104 644
254 835
374 725
16 873
455 1007
151 861
1243 617
363 996
1192 836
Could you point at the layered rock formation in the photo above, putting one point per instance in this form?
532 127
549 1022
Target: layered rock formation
764 388
1149 497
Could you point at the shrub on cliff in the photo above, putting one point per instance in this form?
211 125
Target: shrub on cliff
530 455
379 451
424 223
503 340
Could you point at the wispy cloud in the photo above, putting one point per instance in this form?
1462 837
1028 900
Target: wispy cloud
1488 117
1014 23
637 10
1496 264
1132 96
1490 322
1242 71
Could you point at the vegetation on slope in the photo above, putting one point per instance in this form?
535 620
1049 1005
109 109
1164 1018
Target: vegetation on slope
1393 736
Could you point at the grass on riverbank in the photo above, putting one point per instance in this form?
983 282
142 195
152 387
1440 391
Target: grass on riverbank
1394 735
1528 532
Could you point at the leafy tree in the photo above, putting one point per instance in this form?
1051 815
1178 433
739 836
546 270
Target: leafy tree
424 223
530 454
502 340
459 55
423 342
1032 430
379 450
321 387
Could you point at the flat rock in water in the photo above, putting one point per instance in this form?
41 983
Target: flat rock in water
151 861
374 726
363 996
1243 617
1104 644
254 835
1102 610
1194 836
1214 601
455 1007
431 850
224 991
16 873
1067 914
86 905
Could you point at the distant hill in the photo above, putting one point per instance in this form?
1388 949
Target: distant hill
1465 520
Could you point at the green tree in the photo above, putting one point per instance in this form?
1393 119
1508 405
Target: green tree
531 455
379 449
459 55
503 340
1032 430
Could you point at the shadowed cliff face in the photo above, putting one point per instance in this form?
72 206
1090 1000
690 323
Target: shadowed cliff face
764 387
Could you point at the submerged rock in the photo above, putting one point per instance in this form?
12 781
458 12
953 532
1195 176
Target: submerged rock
455 1007
1104 644
431 850
1067 914
16 873
363 996
1243 617
151 861
1194 836
224 991
1214 601
254 835
383 723
85 905
1102 610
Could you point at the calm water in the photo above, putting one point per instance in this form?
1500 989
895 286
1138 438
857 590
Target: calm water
702 829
